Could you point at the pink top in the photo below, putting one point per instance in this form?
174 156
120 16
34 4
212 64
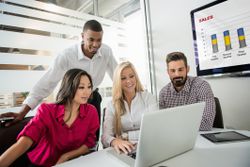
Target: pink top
52 137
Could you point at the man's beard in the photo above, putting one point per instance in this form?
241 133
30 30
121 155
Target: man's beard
93 53
179 81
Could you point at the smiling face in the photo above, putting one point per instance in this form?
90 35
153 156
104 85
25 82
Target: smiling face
128 81
177 72
83 91
92 42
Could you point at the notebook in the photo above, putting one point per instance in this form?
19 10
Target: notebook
164 134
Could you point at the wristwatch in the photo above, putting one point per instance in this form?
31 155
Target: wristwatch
124 136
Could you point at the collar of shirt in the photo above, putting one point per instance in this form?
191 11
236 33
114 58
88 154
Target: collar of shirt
186 88
81 54
61 110
134 100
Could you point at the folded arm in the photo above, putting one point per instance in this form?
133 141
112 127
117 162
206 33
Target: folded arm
73 154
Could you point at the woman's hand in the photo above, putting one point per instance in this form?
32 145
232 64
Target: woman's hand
122 145
62 159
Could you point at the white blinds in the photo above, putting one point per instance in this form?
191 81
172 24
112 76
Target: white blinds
32 33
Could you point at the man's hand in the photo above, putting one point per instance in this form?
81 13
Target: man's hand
17 116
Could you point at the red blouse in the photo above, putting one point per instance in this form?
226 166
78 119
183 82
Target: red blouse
52 137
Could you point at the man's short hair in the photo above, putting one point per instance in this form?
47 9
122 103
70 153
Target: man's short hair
92 25
175 56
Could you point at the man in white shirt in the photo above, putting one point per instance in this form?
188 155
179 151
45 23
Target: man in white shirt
90 55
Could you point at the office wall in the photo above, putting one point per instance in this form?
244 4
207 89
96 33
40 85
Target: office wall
171 31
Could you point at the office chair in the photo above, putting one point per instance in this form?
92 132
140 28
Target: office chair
218 120
96 147
103 115
8 137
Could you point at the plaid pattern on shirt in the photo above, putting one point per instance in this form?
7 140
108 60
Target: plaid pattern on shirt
195 90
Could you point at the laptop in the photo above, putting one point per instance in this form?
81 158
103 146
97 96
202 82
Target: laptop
164 134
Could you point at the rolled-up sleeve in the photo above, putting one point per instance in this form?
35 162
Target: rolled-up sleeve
108 126
112 64
36 128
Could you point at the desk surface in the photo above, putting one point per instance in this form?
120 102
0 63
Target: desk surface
205 153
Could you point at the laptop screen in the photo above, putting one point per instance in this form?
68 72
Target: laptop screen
167 133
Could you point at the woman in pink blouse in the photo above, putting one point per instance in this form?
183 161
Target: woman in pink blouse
62 130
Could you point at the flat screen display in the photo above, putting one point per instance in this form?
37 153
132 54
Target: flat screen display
221 33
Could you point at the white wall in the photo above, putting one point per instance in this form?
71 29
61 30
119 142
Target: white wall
171 31
137 46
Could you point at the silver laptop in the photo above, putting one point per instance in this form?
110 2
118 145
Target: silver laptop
164 134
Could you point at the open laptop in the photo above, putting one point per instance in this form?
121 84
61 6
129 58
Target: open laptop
164 134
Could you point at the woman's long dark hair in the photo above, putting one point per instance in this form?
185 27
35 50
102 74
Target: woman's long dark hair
69 86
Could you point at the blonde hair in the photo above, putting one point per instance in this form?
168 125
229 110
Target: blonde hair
118 96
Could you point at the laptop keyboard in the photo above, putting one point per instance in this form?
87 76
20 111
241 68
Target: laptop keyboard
132 155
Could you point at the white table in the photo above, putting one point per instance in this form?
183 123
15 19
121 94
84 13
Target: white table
207 154
204 154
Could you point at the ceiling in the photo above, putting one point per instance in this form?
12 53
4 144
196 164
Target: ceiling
111 9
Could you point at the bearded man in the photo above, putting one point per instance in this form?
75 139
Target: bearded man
184 89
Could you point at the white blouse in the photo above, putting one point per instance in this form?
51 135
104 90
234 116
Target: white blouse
131 120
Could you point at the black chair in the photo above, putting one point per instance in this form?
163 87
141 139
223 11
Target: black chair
218 120
103 115
8 138
96 100
102 121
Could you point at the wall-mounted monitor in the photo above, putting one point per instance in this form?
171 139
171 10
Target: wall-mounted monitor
221 33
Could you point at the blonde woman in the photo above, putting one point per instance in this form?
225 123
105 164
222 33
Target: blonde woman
123 114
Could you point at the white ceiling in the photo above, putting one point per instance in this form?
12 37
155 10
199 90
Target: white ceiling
106 8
